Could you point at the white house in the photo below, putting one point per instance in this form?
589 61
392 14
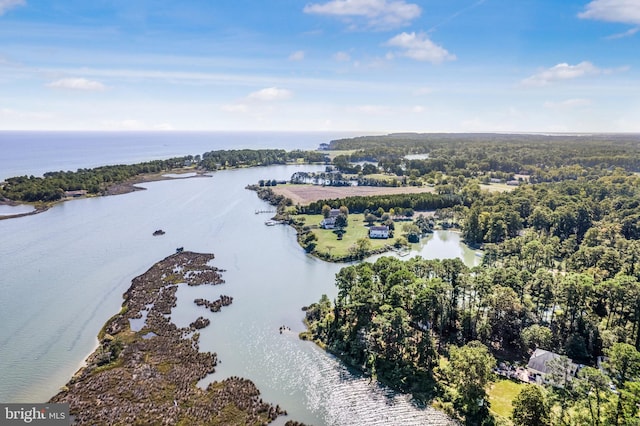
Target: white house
328 223
539 368
379 232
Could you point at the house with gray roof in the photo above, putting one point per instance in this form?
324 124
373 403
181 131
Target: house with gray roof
541 367
379 232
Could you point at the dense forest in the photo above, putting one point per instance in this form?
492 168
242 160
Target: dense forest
221 159
424 201
468 153
560 272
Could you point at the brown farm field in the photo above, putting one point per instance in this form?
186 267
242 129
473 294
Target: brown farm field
305 194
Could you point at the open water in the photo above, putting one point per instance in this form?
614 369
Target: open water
63 272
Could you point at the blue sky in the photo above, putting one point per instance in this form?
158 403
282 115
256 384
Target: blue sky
356 65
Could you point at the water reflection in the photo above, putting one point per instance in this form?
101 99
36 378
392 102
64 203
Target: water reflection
439 245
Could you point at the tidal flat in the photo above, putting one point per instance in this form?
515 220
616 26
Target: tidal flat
150 375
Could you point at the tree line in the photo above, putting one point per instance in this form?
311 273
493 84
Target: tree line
498 152
220 159
52 185
560 272
416 202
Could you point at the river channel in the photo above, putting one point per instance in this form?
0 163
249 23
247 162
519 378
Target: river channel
64 272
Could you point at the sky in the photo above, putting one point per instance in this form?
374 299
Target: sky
321 65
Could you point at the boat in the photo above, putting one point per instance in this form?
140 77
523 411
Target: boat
158 232
403 251
271 222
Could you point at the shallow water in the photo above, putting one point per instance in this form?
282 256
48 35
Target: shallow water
6 210
64 272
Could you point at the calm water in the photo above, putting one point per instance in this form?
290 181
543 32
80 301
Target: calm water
11 210
64 272
35 153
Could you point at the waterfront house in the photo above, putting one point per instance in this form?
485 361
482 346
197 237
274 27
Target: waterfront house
328 223
379 232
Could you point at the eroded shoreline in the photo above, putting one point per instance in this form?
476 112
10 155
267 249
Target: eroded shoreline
150 376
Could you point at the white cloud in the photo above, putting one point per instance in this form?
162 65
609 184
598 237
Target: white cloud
378 14
6 5
342 57
128 124
77 84
417 109
568 104
271 94
420 48
164 126
627 33
624 11
29 115
456 14
370 109
560 72
132 124
478 124
297 56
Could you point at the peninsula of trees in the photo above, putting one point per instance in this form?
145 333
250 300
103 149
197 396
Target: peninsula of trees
54 186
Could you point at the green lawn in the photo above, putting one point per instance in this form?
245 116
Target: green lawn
327 241
501 394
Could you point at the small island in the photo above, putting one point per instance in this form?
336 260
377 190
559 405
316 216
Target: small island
150 376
